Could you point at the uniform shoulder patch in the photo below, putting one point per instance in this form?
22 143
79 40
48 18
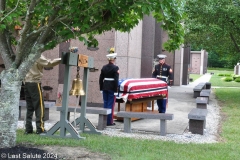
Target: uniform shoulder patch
170 70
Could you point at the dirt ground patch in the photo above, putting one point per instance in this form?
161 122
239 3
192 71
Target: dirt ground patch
29 152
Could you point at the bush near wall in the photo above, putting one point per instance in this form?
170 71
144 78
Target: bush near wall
237 79
236 76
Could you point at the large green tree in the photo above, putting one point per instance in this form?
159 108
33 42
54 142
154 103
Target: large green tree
46 23
214 25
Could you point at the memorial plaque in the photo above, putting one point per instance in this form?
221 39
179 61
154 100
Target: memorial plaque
82 60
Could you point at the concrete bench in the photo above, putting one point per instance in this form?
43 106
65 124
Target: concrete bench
146 115
208 85
205 93
197 120
102 112
47 105
201 102
207 90
197 89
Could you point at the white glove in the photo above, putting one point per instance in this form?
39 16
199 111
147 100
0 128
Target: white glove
115 93
100 91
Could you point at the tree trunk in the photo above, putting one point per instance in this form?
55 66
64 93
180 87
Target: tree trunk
9 107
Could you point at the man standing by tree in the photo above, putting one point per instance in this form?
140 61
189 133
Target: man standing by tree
163 72
33 94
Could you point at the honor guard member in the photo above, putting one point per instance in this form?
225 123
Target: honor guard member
108 82
163 72
33 94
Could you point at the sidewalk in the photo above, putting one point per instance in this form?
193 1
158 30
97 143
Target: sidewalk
205 78
180 103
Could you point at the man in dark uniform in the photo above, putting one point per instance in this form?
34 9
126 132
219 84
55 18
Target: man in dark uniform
108 82
163 72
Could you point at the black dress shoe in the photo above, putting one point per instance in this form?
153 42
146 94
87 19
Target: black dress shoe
111 124
40 132
28 132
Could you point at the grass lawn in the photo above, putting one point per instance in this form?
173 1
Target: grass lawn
194 76
131 149
217 80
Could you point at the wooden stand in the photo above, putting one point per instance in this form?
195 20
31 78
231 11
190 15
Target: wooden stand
137 105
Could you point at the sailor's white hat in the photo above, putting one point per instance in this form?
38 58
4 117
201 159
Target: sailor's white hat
161 56
111 56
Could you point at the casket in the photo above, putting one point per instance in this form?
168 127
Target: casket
138 93
132 89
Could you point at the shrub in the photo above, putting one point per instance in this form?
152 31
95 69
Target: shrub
237 79
220 74
228 79
228 75
235 76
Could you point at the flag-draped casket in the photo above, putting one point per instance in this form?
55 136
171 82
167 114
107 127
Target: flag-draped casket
137 93
133 89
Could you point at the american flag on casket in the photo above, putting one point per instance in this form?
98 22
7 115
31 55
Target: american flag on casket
129 89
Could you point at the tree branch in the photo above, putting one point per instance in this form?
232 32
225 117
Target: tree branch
234 42
5 48
235 26
10 11
2 5
51 21
23 34
28 19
